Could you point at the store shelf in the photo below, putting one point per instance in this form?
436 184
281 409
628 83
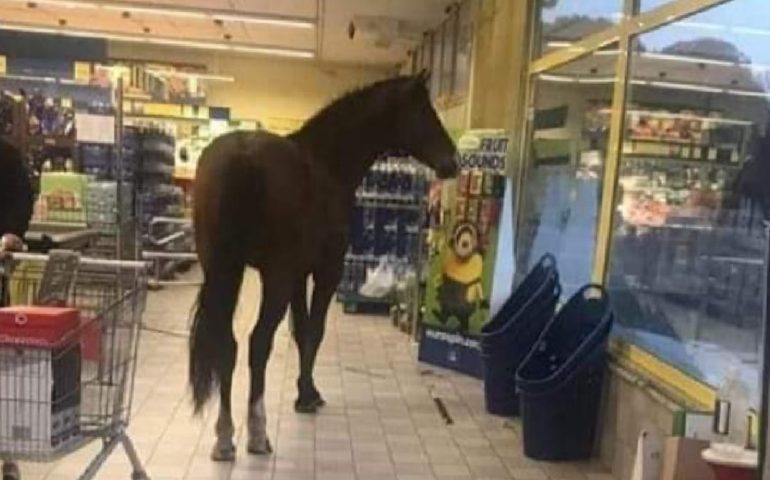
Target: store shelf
135 117
389 205
676 160
53 141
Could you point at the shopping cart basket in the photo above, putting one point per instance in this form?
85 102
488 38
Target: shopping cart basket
65 383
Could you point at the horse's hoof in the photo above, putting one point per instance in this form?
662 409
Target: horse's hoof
309 406
256 447
224 452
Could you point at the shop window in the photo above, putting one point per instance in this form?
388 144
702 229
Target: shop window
436 61
414 61
563 22
426 51
645 5
449 40
462 76
687 254
567 150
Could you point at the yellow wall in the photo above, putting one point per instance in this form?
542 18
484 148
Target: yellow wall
278 92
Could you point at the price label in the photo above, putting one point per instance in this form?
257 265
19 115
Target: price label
82 72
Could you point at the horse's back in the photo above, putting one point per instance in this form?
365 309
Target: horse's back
251 178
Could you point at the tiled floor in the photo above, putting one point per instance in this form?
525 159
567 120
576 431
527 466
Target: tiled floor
380 423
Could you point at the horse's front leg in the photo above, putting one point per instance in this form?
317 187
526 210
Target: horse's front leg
309 338
276 293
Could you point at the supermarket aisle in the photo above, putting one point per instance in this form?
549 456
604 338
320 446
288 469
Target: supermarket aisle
381 421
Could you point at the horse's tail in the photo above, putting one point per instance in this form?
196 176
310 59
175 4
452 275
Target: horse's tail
212 343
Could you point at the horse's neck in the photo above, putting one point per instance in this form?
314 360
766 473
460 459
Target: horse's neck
348 155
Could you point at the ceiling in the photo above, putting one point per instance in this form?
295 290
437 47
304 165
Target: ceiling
384 29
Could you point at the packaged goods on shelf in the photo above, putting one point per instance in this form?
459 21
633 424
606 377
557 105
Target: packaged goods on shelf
387 221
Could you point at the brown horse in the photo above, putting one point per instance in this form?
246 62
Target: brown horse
282 206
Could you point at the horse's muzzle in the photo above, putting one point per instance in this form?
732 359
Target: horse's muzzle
448 170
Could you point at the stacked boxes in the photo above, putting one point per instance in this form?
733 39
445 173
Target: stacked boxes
40 368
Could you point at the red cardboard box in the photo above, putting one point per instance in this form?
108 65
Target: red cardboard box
33 326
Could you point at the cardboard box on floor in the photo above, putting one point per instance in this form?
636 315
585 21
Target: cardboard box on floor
682 460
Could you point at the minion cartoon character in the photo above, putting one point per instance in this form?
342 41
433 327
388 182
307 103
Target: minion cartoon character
460 292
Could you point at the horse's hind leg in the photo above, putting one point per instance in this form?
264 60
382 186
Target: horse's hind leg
309 399
224 448
276 292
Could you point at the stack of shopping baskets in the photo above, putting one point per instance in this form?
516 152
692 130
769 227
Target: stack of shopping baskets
549 366
68 347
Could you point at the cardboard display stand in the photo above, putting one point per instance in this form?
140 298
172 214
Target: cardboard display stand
464 250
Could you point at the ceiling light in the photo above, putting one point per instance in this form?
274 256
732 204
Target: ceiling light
747 93
274 21
194 14
558 44
281 52
557 78
686 58
57 3
596 80
685 86
172 42
155 11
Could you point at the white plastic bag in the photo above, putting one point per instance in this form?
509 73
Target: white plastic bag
380 281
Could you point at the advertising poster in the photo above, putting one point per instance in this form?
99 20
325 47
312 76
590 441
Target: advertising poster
464 245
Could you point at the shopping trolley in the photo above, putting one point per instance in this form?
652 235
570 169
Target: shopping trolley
63 388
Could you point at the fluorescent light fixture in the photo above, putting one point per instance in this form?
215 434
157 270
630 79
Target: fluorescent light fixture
557 78
606 53
686 59
281 52
201 76
686 86
596 80
265 20
558 44
171 42
66 4
57 3
191 13
169 12
747 93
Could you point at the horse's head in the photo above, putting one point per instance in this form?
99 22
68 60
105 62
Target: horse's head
419 131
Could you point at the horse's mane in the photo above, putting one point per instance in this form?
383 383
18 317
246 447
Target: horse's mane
348 107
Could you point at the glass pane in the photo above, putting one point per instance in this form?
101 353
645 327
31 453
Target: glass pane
447 66
565 21
436 57
464 45
645 5
425 58
687 252
562 190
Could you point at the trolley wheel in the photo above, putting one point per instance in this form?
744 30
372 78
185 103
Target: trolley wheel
11 471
